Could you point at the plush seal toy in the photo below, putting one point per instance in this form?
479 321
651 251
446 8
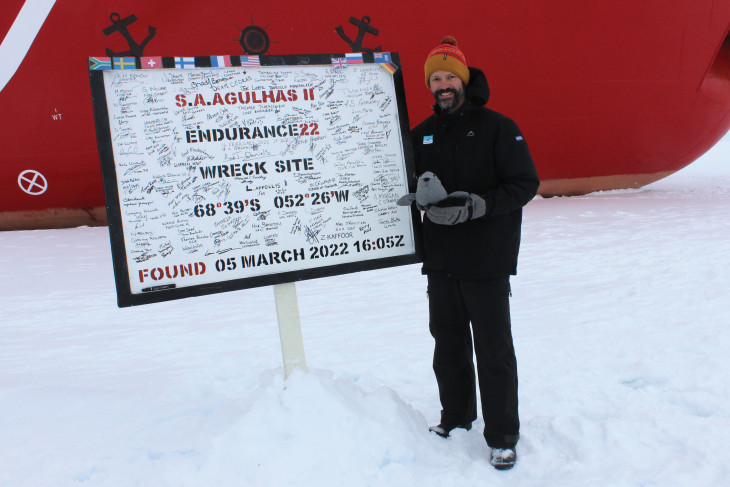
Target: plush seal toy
429 191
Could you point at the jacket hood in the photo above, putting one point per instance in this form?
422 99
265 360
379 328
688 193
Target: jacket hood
477 91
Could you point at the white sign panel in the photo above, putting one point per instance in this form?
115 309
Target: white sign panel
223 175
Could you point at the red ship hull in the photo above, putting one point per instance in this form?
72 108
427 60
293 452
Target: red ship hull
609 94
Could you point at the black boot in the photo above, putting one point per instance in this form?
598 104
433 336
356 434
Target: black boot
503 458
444 429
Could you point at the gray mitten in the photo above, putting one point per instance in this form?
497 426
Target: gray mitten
429 191
462 206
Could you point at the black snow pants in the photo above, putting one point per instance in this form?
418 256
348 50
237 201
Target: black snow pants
453 304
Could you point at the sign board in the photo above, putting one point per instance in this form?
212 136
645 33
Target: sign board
231 172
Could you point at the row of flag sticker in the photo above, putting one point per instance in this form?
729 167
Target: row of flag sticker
158 62
350 58
382 58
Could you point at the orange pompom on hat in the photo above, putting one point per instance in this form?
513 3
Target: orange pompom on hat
447 57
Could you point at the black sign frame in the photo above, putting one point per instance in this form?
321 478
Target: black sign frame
126 297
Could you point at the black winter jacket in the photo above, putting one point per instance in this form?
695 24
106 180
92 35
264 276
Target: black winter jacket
480 151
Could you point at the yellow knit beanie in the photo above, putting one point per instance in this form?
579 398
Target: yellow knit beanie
447 57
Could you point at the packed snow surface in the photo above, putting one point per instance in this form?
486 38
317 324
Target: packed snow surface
621 321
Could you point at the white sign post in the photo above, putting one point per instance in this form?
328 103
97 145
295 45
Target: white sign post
290 329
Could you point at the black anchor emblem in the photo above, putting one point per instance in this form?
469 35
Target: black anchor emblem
122 26
364 28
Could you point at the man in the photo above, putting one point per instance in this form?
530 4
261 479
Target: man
471 242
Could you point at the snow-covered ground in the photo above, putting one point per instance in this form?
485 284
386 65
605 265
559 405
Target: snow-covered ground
621 319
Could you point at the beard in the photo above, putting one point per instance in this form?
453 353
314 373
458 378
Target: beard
458 95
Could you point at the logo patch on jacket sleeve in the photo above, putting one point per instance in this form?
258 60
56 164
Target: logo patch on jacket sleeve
471 134
519 137
427 139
